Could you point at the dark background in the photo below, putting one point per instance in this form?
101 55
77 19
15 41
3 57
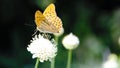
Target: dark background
95 22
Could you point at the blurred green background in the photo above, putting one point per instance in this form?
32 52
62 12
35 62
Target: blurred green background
95 22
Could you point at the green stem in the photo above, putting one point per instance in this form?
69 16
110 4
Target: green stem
53 63
56 39
37 63
69 58
53 60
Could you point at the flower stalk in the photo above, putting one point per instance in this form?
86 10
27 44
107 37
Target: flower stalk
37 63
53 63
56 39
69 58
53 60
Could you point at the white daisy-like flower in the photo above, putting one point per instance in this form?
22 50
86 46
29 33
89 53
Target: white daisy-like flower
42 48
70 41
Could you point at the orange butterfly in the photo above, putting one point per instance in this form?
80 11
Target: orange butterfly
48 22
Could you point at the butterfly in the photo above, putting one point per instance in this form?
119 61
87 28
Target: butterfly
48 21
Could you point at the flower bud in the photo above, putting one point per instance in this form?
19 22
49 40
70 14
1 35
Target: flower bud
60 32
70 41
111 62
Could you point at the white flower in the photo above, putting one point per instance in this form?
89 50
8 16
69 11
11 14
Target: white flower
42 48
70 41
111 62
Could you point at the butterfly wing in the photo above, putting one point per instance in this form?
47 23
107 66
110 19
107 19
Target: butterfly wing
42 23
54 21
46 28
50 12
39 17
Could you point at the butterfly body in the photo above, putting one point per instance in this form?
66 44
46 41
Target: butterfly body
48 22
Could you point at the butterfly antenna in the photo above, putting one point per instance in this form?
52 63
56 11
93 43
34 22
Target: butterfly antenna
28 24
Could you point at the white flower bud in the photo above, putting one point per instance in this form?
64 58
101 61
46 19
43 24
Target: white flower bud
70 41
60 33
111 62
